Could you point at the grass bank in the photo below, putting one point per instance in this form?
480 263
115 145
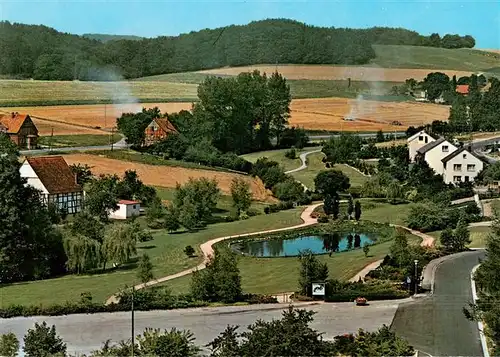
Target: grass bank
58 141
478 236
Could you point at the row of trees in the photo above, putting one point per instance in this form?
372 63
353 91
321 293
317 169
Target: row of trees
291 335
41 52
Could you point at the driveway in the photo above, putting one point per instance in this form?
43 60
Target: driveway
436 324
121 144
85 333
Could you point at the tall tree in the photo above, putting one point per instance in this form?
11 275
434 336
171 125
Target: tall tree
357 210
311 271
101 196
9 345
241 195
201 193
145 272
83 253
30 247
331 182
120 243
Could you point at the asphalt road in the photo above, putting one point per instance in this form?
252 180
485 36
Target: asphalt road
436 324
85 333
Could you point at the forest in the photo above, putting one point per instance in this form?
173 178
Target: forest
40 52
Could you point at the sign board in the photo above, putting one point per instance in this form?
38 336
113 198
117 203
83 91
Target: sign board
318 289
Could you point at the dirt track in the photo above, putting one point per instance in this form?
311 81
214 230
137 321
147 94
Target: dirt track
165 176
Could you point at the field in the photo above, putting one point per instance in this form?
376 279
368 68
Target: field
58 92
328 113
87 116
164 176
478 236
319 114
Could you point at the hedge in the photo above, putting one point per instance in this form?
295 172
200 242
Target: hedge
144 300
346 291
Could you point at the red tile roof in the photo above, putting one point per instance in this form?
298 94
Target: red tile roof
13 122
462 89
128 202
55 174
166 125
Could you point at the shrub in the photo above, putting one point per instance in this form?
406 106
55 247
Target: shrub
323 219
267 210
341 292
189 251
260 299
291 154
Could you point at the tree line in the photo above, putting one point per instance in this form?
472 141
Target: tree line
40 52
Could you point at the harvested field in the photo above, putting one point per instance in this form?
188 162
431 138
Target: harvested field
328 113
91 116
45 128
326 72
166 176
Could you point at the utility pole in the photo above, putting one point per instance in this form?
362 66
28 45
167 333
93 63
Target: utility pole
111 139
416 276
132 310
51 139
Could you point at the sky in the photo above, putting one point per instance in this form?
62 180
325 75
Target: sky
479 18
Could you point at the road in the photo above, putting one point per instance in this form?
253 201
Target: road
84 333
436 324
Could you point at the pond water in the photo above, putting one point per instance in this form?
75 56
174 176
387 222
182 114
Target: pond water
318 244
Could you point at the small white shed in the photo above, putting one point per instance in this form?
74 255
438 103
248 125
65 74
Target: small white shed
126 209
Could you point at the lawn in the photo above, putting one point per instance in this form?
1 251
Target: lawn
165 251
279 157
315 166
57 141
478 236
278 275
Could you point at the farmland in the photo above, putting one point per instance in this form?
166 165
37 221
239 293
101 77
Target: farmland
164 176
328 113
318 114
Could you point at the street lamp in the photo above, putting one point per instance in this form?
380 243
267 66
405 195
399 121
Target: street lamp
132 310
416 275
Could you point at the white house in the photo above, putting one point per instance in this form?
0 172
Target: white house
54 178
461 166
126 209
436 151
417 141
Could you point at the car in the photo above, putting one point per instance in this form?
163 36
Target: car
361 301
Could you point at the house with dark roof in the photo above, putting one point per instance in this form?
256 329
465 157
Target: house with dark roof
20 129
461 165
158 130
454 164
57 183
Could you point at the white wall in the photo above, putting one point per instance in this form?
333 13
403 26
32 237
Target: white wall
436 154
27 172
125 211
459 160
416 143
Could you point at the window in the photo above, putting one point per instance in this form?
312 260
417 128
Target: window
421 138
445 148
457 178
466 178
133 207
464 156
457 167
471 167
426 139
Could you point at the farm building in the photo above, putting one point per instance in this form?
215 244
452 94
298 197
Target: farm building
54 178
158 130
126 209
20 129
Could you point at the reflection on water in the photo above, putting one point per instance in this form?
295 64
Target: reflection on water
328 243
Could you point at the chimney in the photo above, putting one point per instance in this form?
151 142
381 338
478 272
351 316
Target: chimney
13 114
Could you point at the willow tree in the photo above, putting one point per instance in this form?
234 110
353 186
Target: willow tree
83 253
120 243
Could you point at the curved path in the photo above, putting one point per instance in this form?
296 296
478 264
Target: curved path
207 249
303 158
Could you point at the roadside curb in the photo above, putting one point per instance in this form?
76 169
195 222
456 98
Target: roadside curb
480 325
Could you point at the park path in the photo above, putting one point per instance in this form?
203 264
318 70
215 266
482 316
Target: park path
207 249
303 158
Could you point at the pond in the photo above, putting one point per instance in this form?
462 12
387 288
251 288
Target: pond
318 244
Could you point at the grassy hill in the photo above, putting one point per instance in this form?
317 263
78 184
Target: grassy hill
464 59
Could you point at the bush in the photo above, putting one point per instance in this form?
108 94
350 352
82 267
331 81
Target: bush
267 210
345 291
323 219
260 299
291 154
189 251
